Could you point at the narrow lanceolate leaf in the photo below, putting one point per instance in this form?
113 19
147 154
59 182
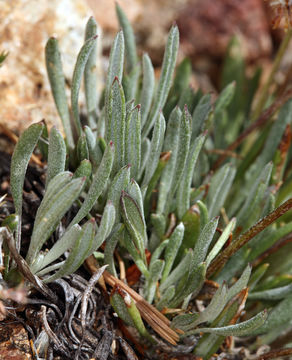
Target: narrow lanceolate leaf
134 223
19 162
272 294
240 283
90 76
66 242
119 183
183 193
57 82
56 154
82 148
147 88
84 169
204 241
50 214
95 154
182 153
110 246
201 114
155 150
155 270
219 188
133 143
244 328
98 184
78 253
221 241
170 144
130 46
135 192
165 80
145 152
106 225
116 61
77 77
116 123
171 250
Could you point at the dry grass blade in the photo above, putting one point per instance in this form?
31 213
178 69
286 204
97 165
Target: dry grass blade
222 258
275 354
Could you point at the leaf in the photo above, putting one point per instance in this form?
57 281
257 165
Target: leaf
271 294
57 82
133 143
219 188
172 248
134 223
130 46
79 68
121 309
147 88
110 246
19 162
98 184
116 123
155 270
56 154
240 283
166 297
66 242
183 192
224 98
79 252
82 148
95 154
201 114
244 328
50 214
184 321
158 251
221 241
164 84
84 169
171 143
155 150
90 75
119 183
145 152
204 241
116 62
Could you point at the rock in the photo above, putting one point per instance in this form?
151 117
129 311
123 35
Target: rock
25 26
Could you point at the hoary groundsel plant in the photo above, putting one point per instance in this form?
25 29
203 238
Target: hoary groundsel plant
194 208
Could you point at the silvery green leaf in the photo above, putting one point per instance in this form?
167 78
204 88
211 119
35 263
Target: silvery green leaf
244 328
240 284
56 154
159 223
147 87
171 143
82 148
158 251
155 270
134 222
119 183
257 276
201 114
130 45
50 268
183 192
116 61
57 82
131 82
155 150
271 294
95 154
221 241
145 152
116 123
78 253
110 246
220 185
121 309
165 80
135 192
19 162
172 248
84 169
66 242
98 184
204 241
215 307
184 321
204 214
90 75
106 225
192 285
181 269
133 143
166 297
50 214
182 154
224 98
81 61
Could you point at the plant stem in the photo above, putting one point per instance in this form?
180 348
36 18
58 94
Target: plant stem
275 68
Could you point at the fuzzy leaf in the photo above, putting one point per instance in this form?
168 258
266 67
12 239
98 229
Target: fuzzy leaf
82 148
95 154
147 88
110 246
155 270
77 77
56 154
201 114
133 143
271 294
57 82
145 152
